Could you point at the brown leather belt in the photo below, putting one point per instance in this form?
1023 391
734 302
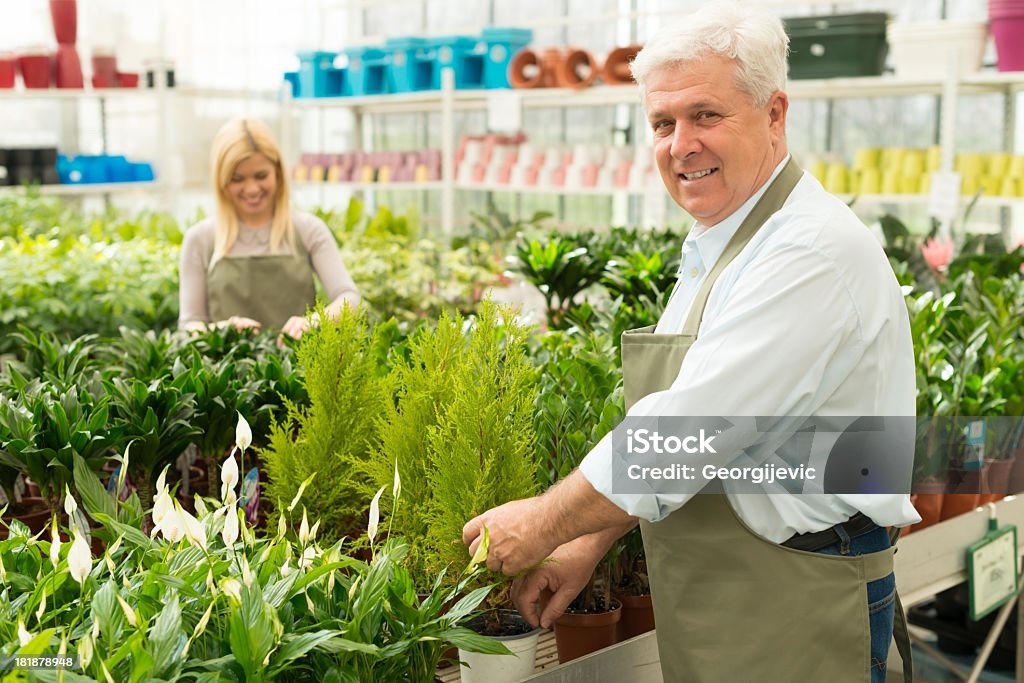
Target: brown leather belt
858 525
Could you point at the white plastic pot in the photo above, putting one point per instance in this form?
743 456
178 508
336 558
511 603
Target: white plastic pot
481 668
921 50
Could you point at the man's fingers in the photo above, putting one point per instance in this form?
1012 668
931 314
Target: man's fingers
556 606
471 530
474 545
529 595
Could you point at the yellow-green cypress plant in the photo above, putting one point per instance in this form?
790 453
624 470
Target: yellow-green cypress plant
336 433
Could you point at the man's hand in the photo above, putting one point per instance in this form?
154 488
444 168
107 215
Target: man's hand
520 535
543 594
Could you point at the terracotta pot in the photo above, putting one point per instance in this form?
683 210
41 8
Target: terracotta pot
525 71
965 486
616 66
1016 483
576 69
580 634
34 514
997 481
637 616
929 506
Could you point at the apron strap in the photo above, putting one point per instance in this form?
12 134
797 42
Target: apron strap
899 629
770 202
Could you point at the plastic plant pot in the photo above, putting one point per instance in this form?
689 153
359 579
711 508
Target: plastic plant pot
69 68
64 14
502 44
127 80
8 70
35 69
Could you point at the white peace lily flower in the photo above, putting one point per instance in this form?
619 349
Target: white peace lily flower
85 651
24 637
247 575
243 434
129 613
304 528
203 621
70 506
396 488
42 608
230 531
228 477
162 506
282 527
286 569
194 530
313 530
160 481
201 509
232 589
54 544
171 524
308 555
371 527
111 567
79 559
95 629
3 571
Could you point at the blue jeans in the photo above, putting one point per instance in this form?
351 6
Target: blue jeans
881 595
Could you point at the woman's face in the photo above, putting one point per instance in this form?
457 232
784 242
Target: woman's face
252 190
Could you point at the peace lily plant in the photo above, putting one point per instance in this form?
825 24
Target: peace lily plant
203 597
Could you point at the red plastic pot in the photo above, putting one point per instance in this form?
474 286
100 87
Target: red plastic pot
127 80
8 71
69 67
1007 31
35 70
104 69
64 14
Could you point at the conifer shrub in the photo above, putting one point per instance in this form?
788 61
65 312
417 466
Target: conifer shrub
335 434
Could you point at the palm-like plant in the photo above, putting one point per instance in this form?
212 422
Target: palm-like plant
153 421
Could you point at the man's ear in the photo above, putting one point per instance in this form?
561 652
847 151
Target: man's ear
778 108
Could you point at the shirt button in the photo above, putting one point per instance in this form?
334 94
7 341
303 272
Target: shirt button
694 272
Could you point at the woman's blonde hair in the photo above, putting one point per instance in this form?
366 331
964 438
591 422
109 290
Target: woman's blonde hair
236 141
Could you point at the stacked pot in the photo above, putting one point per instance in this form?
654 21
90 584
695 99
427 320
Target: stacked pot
64 14
1006 21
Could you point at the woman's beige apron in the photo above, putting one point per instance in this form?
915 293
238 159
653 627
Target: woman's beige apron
729 605
269 289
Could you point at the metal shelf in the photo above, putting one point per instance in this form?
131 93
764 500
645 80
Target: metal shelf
65 94
86 189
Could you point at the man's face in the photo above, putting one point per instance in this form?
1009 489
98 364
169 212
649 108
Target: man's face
713 147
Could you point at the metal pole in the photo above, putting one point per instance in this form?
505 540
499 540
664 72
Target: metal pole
447 150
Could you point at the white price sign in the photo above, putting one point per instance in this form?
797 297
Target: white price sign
944 198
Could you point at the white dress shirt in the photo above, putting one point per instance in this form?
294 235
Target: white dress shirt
807 320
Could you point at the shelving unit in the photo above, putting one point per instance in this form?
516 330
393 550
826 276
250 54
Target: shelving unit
90 189
447 101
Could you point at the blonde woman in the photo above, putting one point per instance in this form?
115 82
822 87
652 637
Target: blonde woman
252 264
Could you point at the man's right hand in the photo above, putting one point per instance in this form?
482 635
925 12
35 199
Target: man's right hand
544 593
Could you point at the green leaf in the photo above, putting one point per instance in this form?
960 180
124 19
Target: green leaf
473 642
95 498
166 637
296 646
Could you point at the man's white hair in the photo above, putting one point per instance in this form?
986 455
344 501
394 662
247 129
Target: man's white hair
752 37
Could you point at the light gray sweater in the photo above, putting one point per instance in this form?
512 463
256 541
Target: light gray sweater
197 250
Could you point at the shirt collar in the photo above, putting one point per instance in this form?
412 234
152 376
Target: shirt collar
710 243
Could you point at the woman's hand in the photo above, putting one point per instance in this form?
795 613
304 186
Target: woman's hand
296 325
240 322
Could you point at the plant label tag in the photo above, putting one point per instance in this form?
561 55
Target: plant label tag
944 198
974 437
992 569
504 111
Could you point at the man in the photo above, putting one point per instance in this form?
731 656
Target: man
787 306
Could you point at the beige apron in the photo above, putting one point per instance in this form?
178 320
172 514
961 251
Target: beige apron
729 605
269 289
